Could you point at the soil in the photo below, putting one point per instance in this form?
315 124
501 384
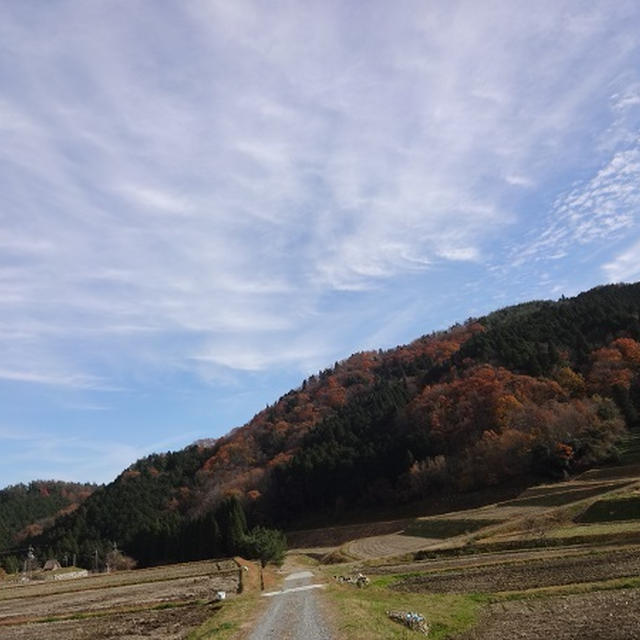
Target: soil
183 589
541 572
485 559
163 603
603 615
386 545
334 536
164 624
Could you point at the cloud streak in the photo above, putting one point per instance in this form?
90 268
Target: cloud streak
194 182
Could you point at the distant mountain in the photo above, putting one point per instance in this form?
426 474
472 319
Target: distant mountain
541 389
27 510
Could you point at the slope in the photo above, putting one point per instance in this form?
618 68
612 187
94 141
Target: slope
27 510
541 389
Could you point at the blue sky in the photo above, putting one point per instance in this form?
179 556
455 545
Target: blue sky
202 202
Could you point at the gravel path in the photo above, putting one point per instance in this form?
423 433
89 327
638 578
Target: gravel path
295 613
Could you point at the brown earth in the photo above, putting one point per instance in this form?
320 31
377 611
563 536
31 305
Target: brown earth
541 572
183 589
602 615
13 589
334 536
484 559
160 603
164 624
385 546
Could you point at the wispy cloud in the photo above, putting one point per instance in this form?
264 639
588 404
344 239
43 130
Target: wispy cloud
56 379
601 208
41 454
625 267
187 186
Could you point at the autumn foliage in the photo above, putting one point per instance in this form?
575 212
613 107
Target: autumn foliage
539 390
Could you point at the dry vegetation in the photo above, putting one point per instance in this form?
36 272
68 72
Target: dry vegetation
164 602
525 568
560 561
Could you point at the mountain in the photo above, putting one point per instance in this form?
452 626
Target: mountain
542 389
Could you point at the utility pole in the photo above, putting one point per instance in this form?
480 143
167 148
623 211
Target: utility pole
30 558
95 561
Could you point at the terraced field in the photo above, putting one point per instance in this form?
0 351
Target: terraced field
165 602
531 574
394 544
599 615
560 561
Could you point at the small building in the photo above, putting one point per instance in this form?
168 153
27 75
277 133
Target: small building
51 565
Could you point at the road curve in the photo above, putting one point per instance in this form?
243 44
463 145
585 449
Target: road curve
294 612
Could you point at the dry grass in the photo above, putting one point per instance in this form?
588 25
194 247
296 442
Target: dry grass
596 529
118 579
233 621
568 589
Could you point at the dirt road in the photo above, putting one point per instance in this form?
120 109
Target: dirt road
295 612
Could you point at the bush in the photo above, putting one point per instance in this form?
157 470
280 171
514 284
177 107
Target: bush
117 561
266 545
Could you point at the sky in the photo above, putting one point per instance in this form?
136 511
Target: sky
204 202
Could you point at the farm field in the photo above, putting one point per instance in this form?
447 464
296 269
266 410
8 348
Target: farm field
605 615
554 562
561 560
164 602
383 546
528 595
545 571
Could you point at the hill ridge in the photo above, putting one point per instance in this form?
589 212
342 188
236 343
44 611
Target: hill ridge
537 389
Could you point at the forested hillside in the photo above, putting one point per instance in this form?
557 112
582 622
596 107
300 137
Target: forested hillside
537 390
27 510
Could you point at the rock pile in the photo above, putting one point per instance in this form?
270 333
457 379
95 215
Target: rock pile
414 621
359 579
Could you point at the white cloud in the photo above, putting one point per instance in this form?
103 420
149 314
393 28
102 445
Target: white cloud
599 209
519 181
153 198
607 203
56 379
625 267
197 180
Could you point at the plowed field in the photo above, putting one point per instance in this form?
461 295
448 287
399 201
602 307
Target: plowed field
603 615
541 572
386 546
163 603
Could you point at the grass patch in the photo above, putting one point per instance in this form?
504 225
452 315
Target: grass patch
618 508
596 529
441 529
557 498
568 589
361 613
546 489
631 470
233 616
631 449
